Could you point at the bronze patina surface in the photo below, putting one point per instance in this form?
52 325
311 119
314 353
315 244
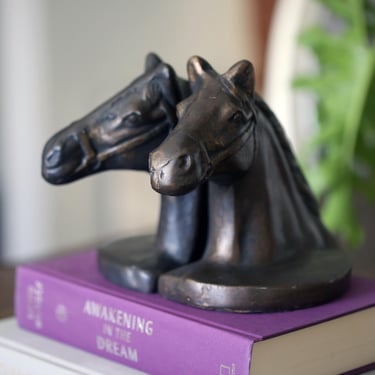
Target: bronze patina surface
239 229
120 134
267 248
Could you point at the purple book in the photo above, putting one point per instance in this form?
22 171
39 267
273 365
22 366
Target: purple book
67 299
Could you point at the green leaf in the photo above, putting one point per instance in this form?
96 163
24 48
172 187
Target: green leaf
345 93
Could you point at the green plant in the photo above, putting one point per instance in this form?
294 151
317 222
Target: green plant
345 90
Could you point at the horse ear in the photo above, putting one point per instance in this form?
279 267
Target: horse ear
166 71
196 66
242 75
167 81
152 61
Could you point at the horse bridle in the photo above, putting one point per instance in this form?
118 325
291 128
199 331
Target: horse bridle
213 159
92 157
235 145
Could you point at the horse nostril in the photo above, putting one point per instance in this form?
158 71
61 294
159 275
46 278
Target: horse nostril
184 162
53 157
151 167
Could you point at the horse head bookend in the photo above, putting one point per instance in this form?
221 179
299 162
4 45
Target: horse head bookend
119 134
267 248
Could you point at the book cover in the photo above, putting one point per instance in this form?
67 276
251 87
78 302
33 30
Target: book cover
67 299
25 353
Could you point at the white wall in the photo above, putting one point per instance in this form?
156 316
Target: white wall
59 59
25 200
286 60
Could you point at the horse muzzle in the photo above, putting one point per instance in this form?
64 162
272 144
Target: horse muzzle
177 168
64 156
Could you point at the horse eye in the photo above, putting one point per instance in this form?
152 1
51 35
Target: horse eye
237 117
132 119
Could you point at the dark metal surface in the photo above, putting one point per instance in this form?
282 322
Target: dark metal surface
119 134
301 281
267 248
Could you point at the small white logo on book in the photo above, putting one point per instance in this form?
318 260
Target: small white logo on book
227 370
35 294
61 313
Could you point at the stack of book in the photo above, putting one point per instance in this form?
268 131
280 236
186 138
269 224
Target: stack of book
68 300
24 353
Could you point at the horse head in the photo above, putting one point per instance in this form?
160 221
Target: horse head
214 124
266 247
120 133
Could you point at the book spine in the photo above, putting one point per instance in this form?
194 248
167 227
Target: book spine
135 335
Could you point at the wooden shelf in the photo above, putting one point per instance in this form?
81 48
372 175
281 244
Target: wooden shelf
7 284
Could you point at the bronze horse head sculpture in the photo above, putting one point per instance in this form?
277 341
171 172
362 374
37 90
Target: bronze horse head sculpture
267 248
119 134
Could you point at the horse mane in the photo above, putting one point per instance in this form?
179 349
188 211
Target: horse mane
300 179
